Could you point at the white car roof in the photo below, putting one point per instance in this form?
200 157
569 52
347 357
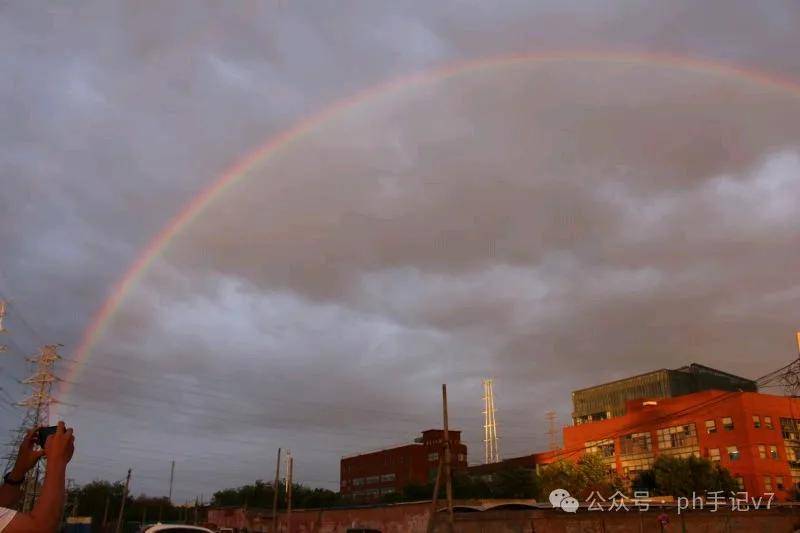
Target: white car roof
168 527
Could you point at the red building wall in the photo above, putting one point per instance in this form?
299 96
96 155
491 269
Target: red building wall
370 476
756 472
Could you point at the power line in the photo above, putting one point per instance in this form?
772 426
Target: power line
18 316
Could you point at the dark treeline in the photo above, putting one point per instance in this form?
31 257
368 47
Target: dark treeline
101 500
261 494
669 476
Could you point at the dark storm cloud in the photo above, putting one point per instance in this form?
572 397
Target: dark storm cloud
516 223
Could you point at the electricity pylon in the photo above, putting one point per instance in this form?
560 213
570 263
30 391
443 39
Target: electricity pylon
491 445
37 414
551 430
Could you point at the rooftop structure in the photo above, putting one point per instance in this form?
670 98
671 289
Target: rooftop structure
608 400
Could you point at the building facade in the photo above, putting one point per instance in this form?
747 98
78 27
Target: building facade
755 436
608 400
372 475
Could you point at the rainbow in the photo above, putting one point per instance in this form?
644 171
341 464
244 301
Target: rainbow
239 171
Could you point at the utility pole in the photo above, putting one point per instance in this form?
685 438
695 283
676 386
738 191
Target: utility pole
289 468
70 507
448 473
105 511
37 414
171 478
435 497
75 502
491 446
195 510
551 430
122 505
275 493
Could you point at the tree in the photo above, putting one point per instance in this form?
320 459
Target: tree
561 474
676 476
414 492
260 494
589 473
92 499
597 475
470 487
514 482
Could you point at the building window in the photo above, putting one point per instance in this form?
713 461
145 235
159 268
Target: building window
461 458
635 443
727 423
677 437
433 456
793 456
762 451
713 454
767 484
756 421
635 464
739 482
768 422
733 453
357 482
779 482
711 426
789 428
387 477
371 480
603 447
773 452
388 490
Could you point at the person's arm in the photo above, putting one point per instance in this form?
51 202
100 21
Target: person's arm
26 459
46 514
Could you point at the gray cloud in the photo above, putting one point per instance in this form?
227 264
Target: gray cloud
548 225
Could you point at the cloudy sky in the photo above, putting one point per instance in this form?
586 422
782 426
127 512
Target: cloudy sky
550 225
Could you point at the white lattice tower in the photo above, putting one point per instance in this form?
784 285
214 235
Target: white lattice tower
491 445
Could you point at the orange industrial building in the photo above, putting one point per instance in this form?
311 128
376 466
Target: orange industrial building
372 475
692 410
755 436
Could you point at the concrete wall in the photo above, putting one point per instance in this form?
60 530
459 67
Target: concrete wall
775 521
412 518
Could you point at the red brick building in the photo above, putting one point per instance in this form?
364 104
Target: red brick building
371 475
753 435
